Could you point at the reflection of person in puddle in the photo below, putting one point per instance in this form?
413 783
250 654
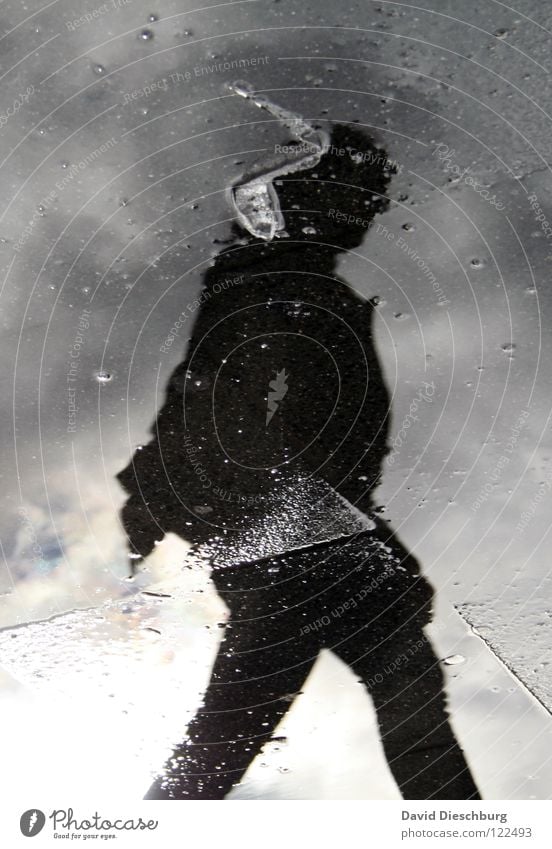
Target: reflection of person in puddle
281 378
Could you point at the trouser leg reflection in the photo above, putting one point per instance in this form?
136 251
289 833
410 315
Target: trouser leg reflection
249 693
328 598
394 658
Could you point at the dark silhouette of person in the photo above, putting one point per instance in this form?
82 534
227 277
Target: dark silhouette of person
281 397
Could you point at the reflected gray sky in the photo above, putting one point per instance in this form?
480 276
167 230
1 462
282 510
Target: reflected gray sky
130 232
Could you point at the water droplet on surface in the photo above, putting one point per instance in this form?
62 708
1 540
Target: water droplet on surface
104 376
153 18
508 347
477 263
98 70
408 226
202 509
145 35
454 660
309 231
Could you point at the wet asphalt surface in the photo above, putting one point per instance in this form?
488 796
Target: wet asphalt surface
143 327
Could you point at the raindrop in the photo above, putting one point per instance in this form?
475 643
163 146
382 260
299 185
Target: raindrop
98 70
104 377
477 263
408 226
145 35
508 347
153 18
124 201
64 164
454 659
243 88
309 231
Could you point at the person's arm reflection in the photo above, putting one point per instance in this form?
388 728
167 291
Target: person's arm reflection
278 332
